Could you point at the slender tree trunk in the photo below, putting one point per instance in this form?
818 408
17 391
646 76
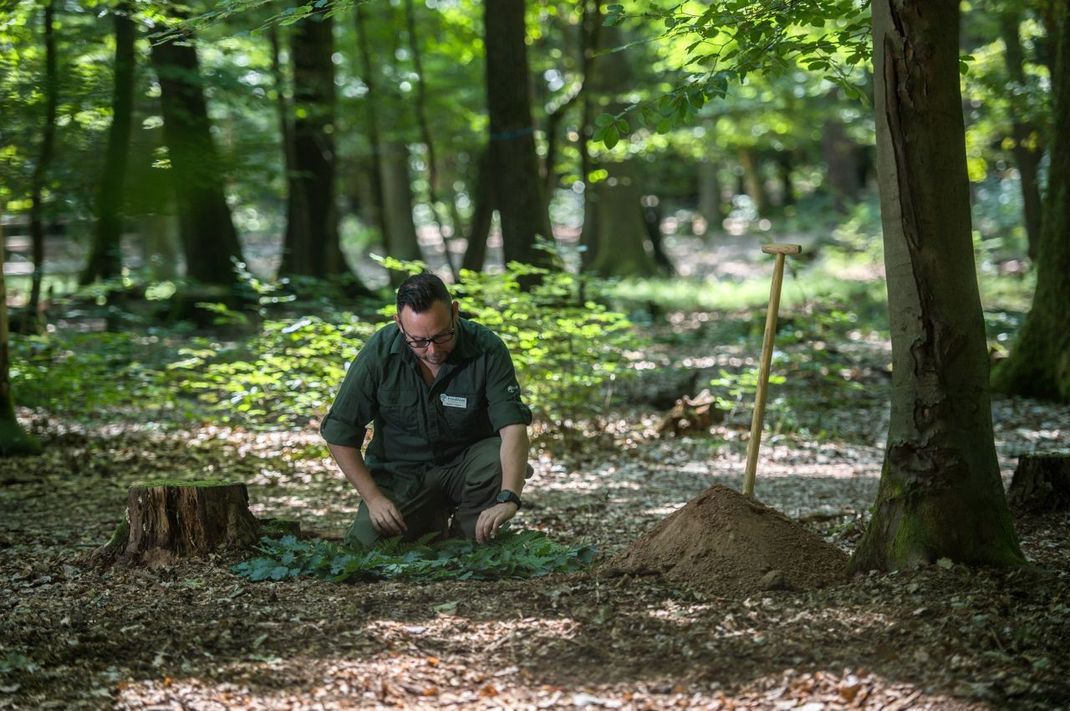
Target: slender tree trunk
940 492
425 136
105 254
475 253
1028 147
785 164
709 195
13 439
40 171
209 241
1039 364
752 180
842 180
397 199
371 97
514 163
589 40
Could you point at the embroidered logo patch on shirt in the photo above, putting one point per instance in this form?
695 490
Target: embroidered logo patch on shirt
453 401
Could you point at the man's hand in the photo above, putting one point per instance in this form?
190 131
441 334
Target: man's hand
386 518
491 519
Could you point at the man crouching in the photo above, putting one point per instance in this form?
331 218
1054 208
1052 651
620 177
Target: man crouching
449 445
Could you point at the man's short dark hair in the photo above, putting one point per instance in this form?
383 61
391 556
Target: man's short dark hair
420 291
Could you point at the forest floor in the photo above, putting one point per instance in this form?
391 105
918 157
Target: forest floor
195 635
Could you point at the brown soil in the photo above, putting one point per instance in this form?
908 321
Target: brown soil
731 545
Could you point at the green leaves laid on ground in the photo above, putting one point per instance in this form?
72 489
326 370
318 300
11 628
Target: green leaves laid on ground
521 554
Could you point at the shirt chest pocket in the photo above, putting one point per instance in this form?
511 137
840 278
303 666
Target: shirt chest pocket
460 411
400 409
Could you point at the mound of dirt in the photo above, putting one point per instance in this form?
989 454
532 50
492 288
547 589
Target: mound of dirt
730 545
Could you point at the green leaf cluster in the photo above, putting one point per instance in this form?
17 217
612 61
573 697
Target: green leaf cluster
513 554
567 348
285 374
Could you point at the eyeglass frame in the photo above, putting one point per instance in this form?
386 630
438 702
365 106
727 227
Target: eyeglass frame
439 339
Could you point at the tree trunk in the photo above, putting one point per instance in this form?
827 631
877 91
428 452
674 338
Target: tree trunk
179 519
372 119
475 254
1041 483
785 164
32 320
752 180
1039 363
623 244
1027 148
209 241
105 254
311 245
940 493
429 144
842 169
709 196
13 439
514 164
397 202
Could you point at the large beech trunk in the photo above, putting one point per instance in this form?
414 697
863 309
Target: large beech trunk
168 521
940 493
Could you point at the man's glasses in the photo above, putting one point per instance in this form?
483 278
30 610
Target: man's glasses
439 340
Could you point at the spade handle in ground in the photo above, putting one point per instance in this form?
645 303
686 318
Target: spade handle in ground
780 250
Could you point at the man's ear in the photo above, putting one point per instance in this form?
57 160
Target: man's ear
456 309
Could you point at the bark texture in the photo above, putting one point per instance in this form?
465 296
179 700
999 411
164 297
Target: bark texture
105 254
209 241
514 164
1039 363
940 494
182 519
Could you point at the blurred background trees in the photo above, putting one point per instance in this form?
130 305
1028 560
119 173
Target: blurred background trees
297 142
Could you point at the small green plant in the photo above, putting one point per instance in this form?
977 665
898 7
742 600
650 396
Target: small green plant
520 554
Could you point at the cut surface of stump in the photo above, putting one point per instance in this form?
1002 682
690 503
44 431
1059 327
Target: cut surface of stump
731 545
177 519
1041 483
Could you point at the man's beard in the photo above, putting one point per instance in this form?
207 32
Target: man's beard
436 359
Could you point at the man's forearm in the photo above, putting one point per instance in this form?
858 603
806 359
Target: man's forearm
351 462
514 457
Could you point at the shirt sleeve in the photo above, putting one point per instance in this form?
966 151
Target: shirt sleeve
504 404
356 403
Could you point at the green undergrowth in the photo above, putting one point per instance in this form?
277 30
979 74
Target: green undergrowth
513 554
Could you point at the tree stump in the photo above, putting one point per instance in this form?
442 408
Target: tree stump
177 519
1041 483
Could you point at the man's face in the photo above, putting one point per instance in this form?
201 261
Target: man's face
431 335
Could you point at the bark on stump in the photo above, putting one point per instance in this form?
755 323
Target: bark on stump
168 521
1041 484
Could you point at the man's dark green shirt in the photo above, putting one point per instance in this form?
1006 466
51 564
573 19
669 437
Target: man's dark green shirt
474 395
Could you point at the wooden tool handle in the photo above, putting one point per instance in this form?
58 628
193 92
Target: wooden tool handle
782 248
